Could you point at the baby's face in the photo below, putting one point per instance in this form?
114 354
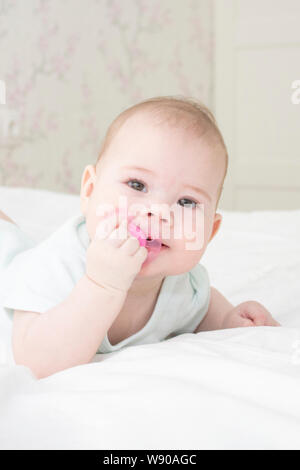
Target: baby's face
153 168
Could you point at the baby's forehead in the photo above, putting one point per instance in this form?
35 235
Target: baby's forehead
147 125
139 121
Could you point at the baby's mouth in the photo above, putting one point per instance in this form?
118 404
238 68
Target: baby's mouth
153 245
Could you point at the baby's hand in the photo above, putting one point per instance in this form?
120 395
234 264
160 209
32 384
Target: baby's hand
113 262
250 313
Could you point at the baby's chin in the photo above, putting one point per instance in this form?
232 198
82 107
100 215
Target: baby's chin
153 265
159 266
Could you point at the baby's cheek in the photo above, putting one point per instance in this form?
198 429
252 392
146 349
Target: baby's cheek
93 219
91 226
194 230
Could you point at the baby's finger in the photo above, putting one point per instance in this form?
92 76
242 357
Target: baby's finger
130 246
258 318
141 254
119 235
270 321
243 323
273 322
259 321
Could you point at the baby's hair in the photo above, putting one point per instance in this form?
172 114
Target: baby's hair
178 111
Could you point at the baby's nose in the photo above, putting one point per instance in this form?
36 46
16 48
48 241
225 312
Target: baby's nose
162 213
154 221
163 218
159 223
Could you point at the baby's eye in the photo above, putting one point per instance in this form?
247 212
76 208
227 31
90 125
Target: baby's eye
136 184
188 203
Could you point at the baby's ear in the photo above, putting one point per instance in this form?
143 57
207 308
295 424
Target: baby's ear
87 185
216 225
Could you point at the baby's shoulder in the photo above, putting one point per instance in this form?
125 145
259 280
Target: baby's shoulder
63 245
67 237
57 259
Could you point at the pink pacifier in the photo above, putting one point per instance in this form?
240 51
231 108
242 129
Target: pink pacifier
153 246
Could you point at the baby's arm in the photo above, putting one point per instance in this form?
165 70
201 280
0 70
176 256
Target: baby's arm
218 308
222 314
68 334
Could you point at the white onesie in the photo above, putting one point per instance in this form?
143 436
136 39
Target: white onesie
12 241
40 278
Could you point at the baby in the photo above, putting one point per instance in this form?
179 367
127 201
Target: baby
91 287
12 241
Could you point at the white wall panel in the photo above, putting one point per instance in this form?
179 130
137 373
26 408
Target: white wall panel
257 61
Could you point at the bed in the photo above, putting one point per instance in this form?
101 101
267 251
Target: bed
227 389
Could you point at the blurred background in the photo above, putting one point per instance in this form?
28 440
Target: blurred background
69 67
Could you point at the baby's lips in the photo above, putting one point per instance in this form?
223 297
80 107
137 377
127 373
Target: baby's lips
154 245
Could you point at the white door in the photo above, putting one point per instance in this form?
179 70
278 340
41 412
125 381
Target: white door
257 101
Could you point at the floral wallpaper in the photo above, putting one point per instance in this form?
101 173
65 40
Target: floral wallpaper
71 66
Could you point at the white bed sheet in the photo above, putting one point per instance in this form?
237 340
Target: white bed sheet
228 389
